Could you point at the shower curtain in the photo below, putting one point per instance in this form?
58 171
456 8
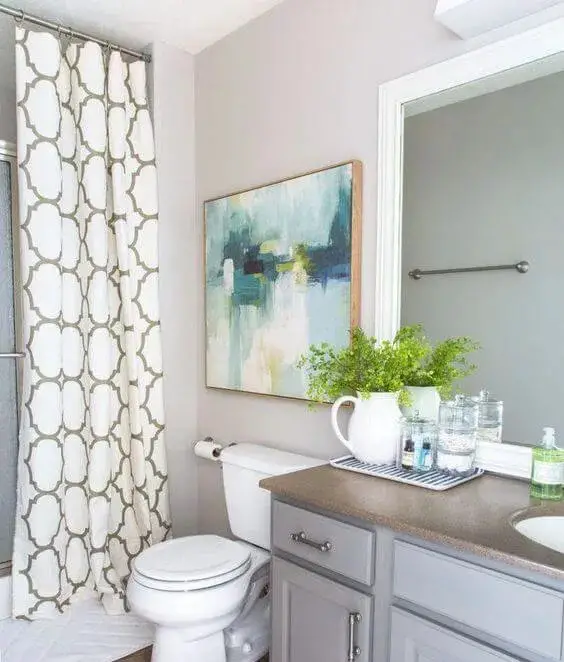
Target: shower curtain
92 480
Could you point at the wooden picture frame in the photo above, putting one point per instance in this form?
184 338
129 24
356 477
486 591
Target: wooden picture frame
280 261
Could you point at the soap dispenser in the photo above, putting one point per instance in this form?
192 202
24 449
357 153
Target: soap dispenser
548 468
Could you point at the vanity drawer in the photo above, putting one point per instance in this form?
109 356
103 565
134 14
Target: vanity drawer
340 547
513 610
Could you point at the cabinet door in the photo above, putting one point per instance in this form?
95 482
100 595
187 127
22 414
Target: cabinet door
414 639
315 619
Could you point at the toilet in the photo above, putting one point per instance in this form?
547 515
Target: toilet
207 595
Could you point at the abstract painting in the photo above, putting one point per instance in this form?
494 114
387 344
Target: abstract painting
282 272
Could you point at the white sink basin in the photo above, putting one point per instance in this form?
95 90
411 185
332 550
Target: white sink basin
547 531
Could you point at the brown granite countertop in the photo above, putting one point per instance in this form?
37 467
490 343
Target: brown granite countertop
475 517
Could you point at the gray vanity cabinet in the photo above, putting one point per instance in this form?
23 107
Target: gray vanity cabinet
345 593
414 639
316 619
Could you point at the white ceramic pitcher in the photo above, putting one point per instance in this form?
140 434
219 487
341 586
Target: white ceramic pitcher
374 427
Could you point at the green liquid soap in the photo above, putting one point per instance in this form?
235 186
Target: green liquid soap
547 475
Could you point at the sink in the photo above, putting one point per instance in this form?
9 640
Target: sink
547 531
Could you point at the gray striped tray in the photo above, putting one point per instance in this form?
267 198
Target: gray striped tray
431 480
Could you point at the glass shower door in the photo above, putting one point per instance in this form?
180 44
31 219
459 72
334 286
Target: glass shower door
8 356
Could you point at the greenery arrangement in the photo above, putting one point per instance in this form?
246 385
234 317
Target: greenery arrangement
368 366
441 365
365 366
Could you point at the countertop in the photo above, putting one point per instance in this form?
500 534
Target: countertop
474 517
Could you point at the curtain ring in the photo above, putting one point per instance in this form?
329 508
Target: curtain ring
21 18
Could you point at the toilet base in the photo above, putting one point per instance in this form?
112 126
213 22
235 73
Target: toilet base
173 645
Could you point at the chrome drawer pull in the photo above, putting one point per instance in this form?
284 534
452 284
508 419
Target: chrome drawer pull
354 651
304 540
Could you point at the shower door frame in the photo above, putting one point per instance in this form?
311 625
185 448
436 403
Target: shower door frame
8 154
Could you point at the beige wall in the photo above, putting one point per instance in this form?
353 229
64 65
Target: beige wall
295 90
173 108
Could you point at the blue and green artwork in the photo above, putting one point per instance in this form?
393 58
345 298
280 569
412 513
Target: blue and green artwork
279 277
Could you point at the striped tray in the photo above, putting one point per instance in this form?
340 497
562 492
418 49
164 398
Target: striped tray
431 480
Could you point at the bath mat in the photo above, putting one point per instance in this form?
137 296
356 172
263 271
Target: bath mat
86 633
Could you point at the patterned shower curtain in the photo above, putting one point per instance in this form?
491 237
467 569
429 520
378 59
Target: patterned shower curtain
92 481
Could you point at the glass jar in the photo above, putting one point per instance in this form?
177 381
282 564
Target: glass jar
456 446
490 418
418 443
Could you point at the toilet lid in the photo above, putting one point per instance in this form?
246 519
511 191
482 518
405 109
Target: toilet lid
191 559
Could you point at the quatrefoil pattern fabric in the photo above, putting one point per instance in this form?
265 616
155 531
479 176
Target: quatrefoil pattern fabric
92 483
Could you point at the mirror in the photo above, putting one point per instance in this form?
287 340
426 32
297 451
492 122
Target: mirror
483 186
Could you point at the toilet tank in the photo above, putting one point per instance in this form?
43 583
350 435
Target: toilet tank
248 505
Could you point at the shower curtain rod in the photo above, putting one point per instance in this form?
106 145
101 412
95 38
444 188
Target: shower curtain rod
20 15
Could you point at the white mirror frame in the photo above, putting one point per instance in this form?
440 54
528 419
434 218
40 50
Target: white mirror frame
497 58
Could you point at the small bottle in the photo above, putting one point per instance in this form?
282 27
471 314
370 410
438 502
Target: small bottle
548 468
426 457
424 435
407 454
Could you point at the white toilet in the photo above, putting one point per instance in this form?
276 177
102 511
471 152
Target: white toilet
208 595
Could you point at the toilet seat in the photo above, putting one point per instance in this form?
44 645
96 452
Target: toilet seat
191 563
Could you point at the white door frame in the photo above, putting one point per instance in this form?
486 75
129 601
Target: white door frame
502 56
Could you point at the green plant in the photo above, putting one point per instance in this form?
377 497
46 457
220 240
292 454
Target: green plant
440 365
365 366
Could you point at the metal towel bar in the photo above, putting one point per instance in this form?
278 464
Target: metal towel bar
12 355
521 267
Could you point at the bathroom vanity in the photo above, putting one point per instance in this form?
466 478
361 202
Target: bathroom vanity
368 570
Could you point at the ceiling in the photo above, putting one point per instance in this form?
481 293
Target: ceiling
188 24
